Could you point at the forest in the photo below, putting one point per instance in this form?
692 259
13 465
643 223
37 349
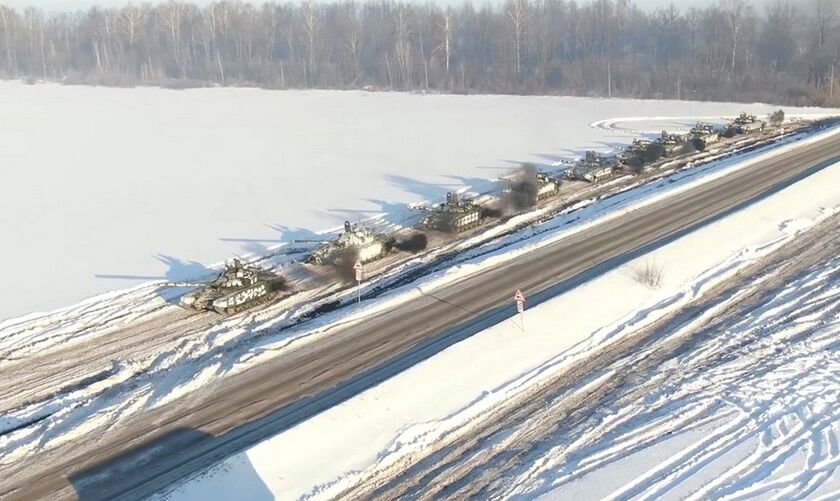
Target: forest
784 52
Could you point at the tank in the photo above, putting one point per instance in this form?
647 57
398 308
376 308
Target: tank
358 241
671 145
593 167
703 135
547 186
635 154
237 288
746 123
454 216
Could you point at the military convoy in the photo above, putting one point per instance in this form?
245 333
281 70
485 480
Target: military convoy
241 286
237 288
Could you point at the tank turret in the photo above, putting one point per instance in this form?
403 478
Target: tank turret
357 242
593 167
745 124
670 145
237 288
635 154
703 134
455 215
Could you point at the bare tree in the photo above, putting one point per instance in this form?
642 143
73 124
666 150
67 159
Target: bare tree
130 20
402 45
518 14
788 52
826 13
310 26
736 12
171 17
447 32
8 23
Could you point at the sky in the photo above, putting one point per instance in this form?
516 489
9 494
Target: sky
83 4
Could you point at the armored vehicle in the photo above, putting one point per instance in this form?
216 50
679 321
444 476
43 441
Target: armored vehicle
670 145
358 241
702 135
453 216
592 168
635 154
237 288
547 186
745 124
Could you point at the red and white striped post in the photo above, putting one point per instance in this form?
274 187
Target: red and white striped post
520 307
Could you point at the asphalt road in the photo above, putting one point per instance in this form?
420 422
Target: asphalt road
482 460
161 446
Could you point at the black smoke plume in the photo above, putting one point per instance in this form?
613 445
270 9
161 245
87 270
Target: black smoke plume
689 147
491 213
654 152
415 243
522 192
342 267
279 284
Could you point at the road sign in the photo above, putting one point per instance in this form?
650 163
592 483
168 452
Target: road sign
520 301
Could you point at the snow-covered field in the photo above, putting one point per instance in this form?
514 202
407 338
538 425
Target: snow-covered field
732 431
103 188
105 384
339 139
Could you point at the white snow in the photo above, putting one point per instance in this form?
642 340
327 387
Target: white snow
163 372
155 371
104 188
420 407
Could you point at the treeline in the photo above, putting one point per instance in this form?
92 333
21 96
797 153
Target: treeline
786 52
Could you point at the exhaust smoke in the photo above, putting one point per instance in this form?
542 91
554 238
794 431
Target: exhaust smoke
491 213
342 266
415 243
523 190
280 284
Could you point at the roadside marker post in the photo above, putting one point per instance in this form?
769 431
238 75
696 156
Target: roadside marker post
520 307
360 271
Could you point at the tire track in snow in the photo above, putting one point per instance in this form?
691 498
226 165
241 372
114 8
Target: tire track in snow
477 468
